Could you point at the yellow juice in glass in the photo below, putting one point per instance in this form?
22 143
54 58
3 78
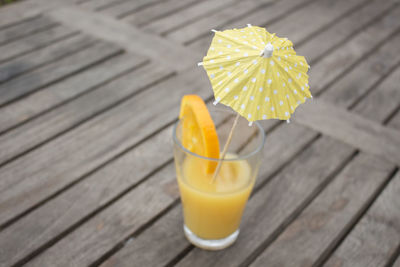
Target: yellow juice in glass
213 210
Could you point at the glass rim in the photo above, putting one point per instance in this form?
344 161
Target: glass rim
248 155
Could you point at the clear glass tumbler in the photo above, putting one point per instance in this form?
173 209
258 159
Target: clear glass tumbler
212 209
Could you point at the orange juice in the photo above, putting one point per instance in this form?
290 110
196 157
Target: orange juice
212 210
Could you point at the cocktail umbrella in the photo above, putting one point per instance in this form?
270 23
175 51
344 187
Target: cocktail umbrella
257 74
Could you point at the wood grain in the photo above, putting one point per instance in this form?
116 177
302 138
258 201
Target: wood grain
56 71
137 8
219 20
189 15
350 128
14 14
33 42
395 121
360 80
321 13
56 94
330 214
127 37
344 29
387 92
155 12
19 30
397 262
57 164
107 4
37 58
375 238
363 44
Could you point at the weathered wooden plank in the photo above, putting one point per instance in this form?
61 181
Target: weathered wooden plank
202 27
127 36
397 262
49 168
344 29
95 191
33 42
17 141
295 31
92 194
39 57
19 13
36 103
360 80
329 215
106 4
320 13
191 14
395 121
387 93
376 237
28 27
147 248
328 69
136 8
168 186
274 205
155 12
350 128
53 72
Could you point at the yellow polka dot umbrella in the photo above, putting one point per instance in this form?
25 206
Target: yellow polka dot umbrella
256 73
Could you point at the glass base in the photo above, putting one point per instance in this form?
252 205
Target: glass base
210 244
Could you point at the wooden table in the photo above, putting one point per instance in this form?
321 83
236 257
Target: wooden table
90 89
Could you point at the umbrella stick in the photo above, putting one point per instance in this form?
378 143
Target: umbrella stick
228 141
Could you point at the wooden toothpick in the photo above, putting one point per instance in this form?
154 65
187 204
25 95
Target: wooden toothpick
228 141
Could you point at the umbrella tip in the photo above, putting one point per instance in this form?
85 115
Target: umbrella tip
288 121
268 50
250 123
213 30
249 25
200 64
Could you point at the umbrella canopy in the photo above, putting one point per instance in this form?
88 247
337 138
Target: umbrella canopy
256 73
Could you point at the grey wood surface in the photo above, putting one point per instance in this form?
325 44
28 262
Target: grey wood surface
191 14
65 90
202 27
397 263
351 129
334 210
128 37
56 71
156 12
376 237
12 68
31 26
77 152
89 90
32 42
395 121
58 120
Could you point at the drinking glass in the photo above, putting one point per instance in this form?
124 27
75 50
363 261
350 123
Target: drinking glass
212 208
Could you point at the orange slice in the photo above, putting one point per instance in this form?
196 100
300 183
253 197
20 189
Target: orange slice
198 130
